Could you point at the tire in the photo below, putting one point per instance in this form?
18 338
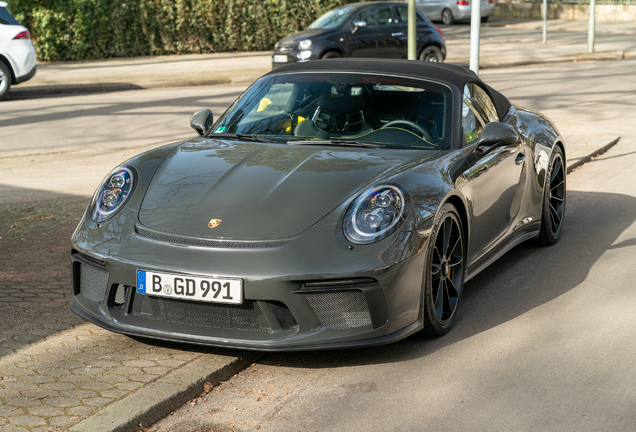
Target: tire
331 55
431 53
444 272
5 80
484 19
447 17
554 195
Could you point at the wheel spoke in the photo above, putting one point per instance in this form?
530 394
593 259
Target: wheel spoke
557 185
555 214
446 239
457 239
556 170
556 198
454 260
453 292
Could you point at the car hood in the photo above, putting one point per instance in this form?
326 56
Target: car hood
302 35
258 191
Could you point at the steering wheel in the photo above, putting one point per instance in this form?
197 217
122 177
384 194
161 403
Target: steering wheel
413 126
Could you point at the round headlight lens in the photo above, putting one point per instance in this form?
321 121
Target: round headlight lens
375 214
112 194
303 55
304 44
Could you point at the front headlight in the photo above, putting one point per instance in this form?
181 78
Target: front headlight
375 214
303 55
112 194
304 44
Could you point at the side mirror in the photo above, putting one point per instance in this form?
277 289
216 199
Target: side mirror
496 133
201 121
358 25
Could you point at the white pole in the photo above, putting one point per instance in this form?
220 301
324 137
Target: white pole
475 23
591 28
412 31
545 21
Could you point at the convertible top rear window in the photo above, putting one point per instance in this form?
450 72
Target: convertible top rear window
386 111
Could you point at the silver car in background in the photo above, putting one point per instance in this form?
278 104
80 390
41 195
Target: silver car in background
451 11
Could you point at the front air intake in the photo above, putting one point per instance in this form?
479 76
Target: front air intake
92 282
341 310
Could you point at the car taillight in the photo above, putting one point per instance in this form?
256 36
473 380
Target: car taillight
23 35
491 1
463 2
440 32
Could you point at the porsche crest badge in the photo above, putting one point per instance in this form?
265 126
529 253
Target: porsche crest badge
214 223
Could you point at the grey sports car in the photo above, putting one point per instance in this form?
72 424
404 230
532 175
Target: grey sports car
336 203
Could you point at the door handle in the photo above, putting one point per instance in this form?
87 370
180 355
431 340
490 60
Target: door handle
520 158
397 34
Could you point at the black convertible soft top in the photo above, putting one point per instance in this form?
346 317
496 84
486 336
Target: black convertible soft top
455 75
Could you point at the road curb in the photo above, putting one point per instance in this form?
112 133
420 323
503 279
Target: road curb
153 402
585 159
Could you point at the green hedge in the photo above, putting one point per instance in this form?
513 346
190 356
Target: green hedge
96 29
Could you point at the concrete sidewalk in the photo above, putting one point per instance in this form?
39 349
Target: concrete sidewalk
504 43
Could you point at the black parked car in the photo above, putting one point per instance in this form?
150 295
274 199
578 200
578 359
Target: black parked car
377 29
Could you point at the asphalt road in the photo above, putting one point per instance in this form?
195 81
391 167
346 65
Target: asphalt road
545 336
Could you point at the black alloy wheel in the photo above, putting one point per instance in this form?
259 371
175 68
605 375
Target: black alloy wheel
444 275
5 80
432 54
553 199
447 17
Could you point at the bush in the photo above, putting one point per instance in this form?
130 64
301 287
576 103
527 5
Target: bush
96 29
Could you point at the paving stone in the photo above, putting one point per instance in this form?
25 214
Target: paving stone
38 379
45 411
19 385
53 371
39 393
82 357
170 363
115 394
144 378
61 420
63 402
9 411
12 428
68 364
27 421
97 402
89 370
6 393
95 385
110 378
18 372
106 363
121 357
34 365
24 402
75 378
5 351
60 386
80 410
80 394
124 371
99 350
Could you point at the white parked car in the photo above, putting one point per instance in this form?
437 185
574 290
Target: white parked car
17 55
450 11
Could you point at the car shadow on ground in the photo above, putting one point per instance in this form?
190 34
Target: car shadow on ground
505 291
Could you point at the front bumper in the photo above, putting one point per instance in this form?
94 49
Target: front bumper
298 296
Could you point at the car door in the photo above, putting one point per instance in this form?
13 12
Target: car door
497 173
432 9
379 38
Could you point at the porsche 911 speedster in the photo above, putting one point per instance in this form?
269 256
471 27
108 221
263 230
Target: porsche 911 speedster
336 203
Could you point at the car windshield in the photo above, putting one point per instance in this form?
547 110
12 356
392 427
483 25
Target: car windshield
333 18
356 109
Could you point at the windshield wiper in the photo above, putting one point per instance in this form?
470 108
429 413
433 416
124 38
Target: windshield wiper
246 137
348 143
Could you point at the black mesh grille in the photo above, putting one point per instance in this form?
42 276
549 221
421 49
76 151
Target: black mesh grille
120 295
92 282
247 316
207 243
341 310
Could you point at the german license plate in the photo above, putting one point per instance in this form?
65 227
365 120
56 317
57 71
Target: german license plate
196 288
280 58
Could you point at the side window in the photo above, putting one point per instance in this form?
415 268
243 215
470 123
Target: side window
482 102
472 121
403 14
375 16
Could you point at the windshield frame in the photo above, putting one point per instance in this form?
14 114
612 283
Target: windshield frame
450 122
